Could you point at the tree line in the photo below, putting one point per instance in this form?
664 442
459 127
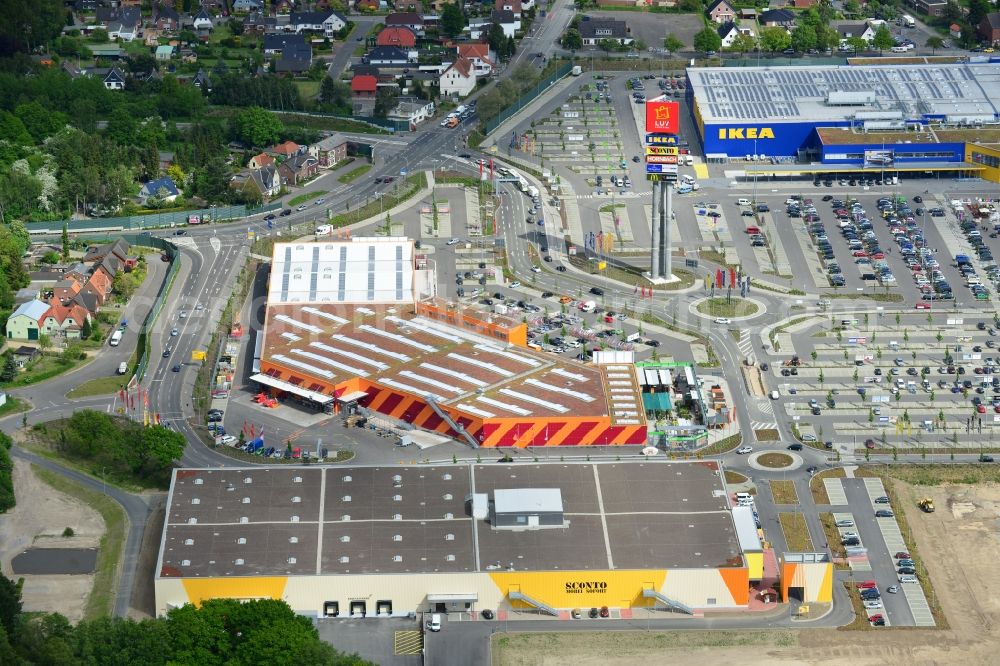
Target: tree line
221 632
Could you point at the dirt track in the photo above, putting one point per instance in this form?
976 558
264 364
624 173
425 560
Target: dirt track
959 545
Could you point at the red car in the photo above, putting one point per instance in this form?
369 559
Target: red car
878 255
902 555
867 585
981 409
922 305
859 253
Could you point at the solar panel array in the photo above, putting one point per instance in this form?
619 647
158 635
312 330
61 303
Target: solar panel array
791 93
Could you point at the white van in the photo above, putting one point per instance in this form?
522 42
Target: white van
775 395
742 497
324 230
742 202
122 368
435 623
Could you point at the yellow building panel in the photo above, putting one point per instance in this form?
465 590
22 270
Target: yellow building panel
257 587
755 563
987 157
569 589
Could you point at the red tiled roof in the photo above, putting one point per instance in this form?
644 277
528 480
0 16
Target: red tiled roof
286 148
515 5
474 50
396 36
262 160
100 282
62 312
463 66
364 83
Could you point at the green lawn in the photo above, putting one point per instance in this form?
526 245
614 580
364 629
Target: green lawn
721 307
13 406
308 89
354 174
100 601
46 367
100 386
306 196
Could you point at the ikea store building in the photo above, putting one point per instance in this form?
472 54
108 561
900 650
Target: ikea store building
875 115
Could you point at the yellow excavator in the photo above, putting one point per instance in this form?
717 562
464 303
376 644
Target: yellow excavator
926 504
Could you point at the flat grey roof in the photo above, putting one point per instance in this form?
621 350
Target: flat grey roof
396 520
750 95
518 500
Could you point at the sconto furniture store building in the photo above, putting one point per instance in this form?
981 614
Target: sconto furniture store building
531 537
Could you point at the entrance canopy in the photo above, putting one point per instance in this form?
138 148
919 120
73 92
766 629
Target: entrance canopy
267 380
353 396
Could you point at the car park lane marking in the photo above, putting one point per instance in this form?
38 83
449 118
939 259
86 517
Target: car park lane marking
835 491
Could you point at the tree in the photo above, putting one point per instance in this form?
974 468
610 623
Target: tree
86 330
803 38
978 9
572 40
743 43
256 126
385 101
28 24
495 38
934 43
707 40
452 19
774 39
44 341
852 8
883 39
65 241
9 368
857 44
672 44
335 93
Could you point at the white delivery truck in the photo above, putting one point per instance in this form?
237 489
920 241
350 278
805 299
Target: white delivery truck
116 337
908 21
577 70
588 306
122 368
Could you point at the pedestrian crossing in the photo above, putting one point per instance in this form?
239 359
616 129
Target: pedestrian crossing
765 406
745 345
763 425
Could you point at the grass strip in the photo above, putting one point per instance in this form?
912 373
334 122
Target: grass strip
101 599
354 174
305 196
797 539
783 492
833 539
818 488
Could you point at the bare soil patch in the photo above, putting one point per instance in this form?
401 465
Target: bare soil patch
39 519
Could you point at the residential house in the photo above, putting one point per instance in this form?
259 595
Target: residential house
329 150
66 290
479 54
275 44
777 18
244 6
286 149
390 56
747 14
164 52
265 181
260 160
720 11
477 28
370 5
257 22
400 36
513 6
203 20
298 169
411 20
989 28
113 78
121 23
167 18
117 249
25 322
282 6
99 285
863 30
202 82
730 31
934 8
164 188
364 85
327 22
24 355
412 110
802 4
295 59
955 30
596 30
63 320
88 300
510 23
459 79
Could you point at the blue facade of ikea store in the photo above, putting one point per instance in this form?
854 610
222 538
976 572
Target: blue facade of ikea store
911 153
770 139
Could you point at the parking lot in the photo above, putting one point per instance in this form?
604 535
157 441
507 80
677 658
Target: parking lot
873 382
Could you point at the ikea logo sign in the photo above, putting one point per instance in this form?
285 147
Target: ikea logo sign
746 133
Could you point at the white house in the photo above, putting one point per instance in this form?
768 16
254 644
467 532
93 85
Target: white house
458 79
506 20
164 188
412 110
326 22
203 20
730 31
479 54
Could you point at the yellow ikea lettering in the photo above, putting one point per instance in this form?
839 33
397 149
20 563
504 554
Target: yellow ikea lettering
746 133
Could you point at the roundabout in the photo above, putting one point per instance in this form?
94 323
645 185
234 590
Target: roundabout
775 461
737 309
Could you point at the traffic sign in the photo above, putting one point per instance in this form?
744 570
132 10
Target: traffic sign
661 139
661 159
661 168
661 150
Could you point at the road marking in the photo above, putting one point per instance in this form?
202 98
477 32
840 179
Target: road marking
408 642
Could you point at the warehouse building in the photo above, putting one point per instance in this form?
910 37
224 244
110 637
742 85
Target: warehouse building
887 115
389 541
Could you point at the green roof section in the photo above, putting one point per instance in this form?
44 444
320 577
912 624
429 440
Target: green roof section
656 402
